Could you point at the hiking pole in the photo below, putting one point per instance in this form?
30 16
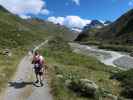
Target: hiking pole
33 72
43 73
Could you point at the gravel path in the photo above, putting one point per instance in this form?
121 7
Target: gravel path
17 86
21 86
41 93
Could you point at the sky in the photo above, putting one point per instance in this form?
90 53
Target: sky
72 13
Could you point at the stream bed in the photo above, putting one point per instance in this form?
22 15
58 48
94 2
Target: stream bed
112 58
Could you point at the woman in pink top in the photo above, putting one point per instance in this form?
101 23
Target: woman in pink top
38 62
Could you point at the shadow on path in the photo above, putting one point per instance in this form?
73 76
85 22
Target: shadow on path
18 85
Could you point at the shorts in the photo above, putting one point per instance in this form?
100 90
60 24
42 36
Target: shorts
38 71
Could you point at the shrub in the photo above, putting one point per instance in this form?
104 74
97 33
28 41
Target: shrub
126 78
84 87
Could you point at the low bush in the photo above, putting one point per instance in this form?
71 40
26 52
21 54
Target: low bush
84 87
66 68
126 79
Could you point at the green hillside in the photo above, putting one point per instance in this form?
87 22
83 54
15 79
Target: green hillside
66 68
52 29
119 32
17 32
17 36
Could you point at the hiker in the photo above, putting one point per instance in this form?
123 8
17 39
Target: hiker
38 62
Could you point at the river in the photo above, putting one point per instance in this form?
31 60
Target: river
112 58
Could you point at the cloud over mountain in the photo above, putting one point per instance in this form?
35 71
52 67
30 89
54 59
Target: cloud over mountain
25 7
70 21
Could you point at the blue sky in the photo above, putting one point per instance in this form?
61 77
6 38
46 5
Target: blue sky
89 9
72 13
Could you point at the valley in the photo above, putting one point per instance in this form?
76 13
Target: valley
95 64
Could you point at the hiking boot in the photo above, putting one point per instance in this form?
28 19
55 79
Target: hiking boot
36 81
41 83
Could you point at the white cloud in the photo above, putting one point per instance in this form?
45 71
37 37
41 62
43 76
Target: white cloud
130 3
45 12
77 2
24 7
56 20
70 21
25 16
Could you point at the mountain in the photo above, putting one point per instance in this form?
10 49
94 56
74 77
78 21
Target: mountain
64 66
16 32
96 24
93 24
107 23
91 28
17 36
119 32
53 29
3 9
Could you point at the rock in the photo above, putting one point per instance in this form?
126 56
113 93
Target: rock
107 94
125 62
84 87
59 76
68 82
88 83
88 87
113 97
7 52
131 54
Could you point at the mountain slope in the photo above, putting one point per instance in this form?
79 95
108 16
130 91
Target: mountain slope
18 36
52 29
15 31
91 28
121 31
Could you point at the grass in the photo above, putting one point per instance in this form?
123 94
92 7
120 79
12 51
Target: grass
110 46
120 31
68 64
126 79
8 66
19 36
114 47
90 43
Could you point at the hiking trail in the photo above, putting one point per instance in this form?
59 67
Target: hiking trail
21 86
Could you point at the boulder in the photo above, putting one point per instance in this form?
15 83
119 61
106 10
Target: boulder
59 76
88 83
113 97
68 82
84 87
7 52
88 87
107 95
